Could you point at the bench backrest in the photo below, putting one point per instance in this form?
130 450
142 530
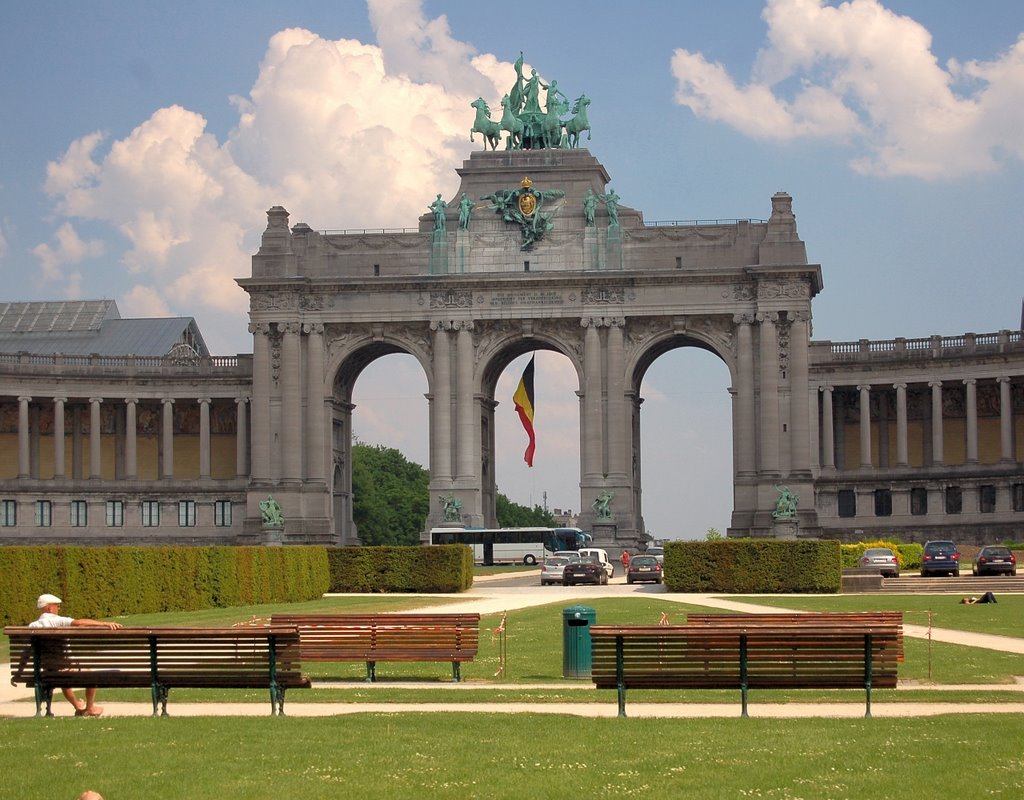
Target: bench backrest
692 656
322 635
171 656
834 619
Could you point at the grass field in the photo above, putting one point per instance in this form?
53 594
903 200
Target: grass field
461 756
470 755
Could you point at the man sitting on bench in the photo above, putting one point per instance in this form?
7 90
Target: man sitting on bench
50 617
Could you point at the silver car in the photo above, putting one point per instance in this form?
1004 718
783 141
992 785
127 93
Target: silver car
552 568
881 558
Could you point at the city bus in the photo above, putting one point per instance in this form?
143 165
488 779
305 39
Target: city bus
512 545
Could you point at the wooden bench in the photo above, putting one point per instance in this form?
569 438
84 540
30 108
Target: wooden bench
810 618
386 637
733 657
158 659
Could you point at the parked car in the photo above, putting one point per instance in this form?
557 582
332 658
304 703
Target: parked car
643 568
940 558
551 569
602 557
881 558
995 559
588 569
657 552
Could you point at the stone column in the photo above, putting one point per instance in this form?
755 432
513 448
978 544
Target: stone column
971 386
745 424
591 430
865 425
95 465
241 435
24 466
441 406
291 414
58 436
828 430
317 436
1005 420
902 456
167 429
800 412
260 467
618 414
938 447
769 393
204 438
465 409
131 448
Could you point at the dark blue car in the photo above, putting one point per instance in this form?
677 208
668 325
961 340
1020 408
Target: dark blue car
940 558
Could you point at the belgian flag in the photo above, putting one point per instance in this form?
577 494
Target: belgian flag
523 398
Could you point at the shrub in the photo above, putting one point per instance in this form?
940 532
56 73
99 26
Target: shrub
419 568
753 565
100 582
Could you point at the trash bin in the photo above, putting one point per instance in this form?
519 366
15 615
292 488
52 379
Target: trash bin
576 650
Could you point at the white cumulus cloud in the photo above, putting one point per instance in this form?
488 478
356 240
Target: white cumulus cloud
342 133
862 75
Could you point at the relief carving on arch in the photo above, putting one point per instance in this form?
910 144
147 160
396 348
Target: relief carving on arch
742 292
451 298
641 330
776 289
315 302
602 295
274 301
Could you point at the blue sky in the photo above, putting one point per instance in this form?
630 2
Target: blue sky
142 143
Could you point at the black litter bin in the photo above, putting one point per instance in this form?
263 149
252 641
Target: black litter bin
576 649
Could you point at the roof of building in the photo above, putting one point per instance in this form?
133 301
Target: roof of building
84 327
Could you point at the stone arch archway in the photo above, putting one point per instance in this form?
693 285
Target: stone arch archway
609 293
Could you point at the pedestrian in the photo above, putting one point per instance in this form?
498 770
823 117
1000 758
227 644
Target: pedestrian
625 559
50 617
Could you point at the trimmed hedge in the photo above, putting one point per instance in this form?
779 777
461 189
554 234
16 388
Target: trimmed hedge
98 582
417 568
753 565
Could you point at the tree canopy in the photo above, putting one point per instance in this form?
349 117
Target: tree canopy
391 498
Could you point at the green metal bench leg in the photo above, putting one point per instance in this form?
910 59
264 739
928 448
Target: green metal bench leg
620 677
371 671
743 674
456 671
868 672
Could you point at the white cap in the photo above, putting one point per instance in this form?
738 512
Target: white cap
47 599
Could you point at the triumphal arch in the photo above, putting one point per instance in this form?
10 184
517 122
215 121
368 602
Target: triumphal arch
536 251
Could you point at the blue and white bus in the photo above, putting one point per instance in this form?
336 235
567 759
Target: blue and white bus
512 545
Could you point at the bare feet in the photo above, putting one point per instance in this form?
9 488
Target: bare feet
94 711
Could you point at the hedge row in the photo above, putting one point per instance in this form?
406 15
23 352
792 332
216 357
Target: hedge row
442 568
753 565
98 582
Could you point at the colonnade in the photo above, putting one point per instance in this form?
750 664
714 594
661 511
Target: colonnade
29 436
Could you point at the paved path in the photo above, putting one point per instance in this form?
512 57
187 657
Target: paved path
485 599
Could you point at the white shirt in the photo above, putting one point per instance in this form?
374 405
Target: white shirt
48 620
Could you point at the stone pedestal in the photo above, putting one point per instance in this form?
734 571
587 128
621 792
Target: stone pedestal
784 528
604 533
591 249
273 535
613 248
439 253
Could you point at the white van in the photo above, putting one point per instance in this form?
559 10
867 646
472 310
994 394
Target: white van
601 556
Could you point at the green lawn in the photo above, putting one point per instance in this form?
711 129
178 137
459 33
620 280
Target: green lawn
1005 617
496 756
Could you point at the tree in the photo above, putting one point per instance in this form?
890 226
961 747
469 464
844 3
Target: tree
513 515
390 495
391 498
